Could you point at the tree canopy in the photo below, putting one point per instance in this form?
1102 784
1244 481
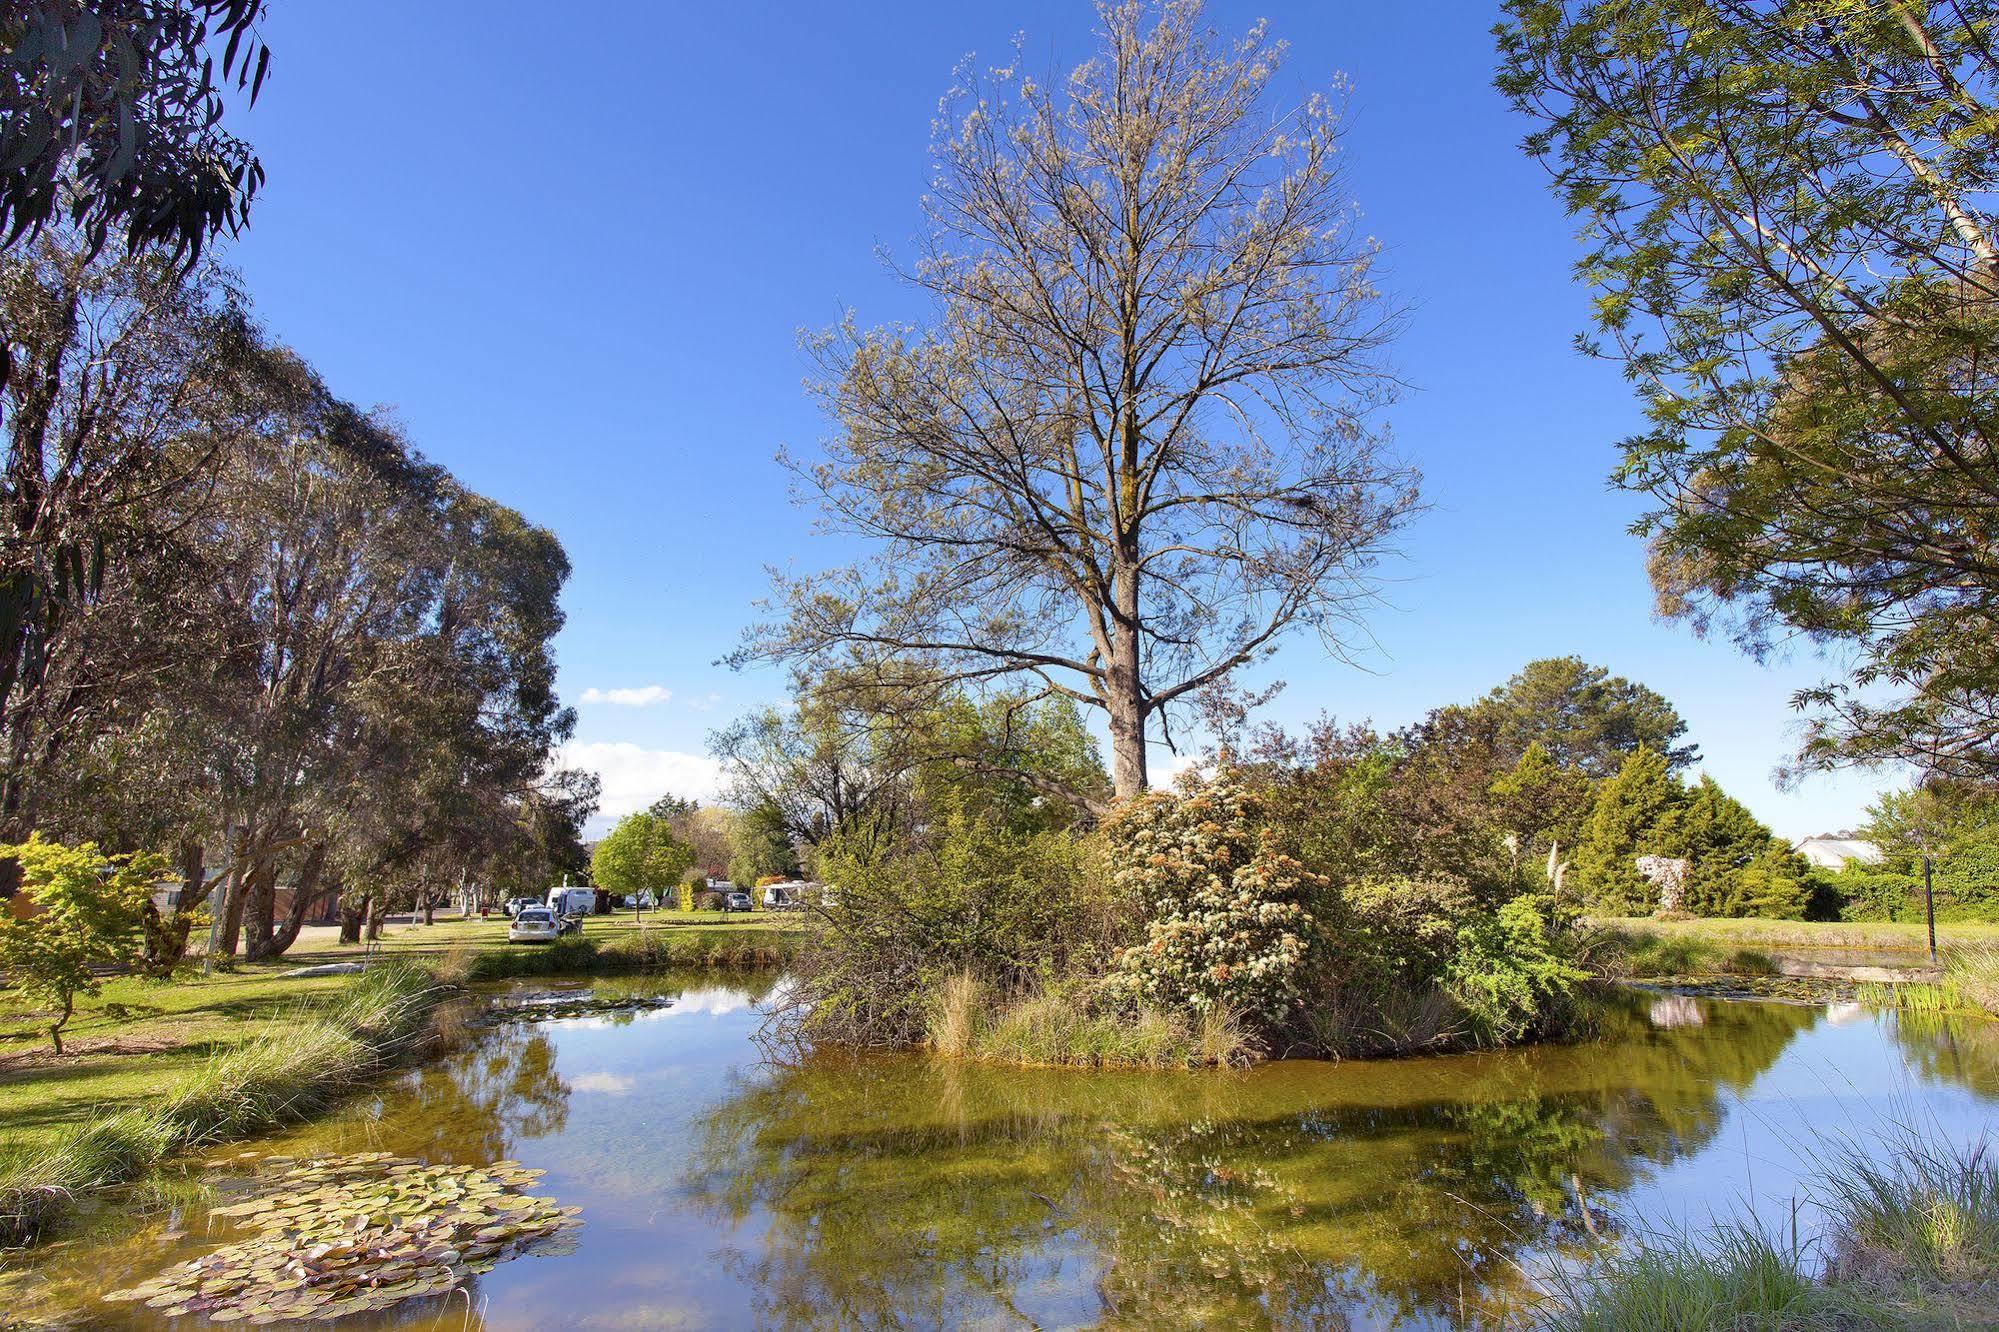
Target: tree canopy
1787 211
1133 448
111 118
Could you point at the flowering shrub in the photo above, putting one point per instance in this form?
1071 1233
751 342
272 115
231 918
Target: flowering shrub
1226 916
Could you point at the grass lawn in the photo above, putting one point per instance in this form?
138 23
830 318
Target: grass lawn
321 943
1808 933
139 1034
129 1040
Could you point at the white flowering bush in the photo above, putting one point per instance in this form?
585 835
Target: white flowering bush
1227 916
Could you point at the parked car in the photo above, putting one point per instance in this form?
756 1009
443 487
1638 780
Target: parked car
516 905
533 924
736 901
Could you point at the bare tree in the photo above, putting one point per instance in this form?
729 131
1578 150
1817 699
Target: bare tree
1133 449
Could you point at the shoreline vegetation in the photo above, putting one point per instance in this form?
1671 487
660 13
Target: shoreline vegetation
303 1060
186 1079
1911 1240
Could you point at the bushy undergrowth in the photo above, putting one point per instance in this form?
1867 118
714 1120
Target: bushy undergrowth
300 1062
1912 1242
1188 929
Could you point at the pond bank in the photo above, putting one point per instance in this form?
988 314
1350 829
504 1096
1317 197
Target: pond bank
1431 1194
163 1066
297 1064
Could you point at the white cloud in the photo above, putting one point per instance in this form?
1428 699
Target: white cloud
634 777
644 696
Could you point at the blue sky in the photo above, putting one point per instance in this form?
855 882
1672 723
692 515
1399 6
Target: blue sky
573 250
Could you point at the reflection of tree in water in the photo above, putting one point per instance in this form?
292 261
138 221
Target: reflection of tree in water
1957 1050
899 1191
470 1105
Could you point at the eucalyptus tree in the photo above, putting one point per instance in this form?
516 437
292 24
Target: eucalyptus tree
1787 212
111 115
1133 448
129 378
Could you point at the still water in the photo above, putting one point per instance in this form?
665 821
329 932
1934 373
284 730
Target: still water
722 1191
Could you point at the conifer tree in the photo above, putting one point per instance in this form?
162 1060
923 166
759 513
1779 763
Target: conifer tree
1636 813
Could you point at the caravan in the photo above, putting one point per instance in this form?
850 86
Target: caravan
571 904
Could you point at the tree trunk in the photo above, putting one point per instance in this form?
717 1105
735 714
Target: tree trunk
372 919
259 905
1124 693
303 897
193 874
232 895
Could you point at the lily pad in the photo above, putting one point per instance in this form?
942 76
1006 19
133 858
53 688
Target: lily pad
359 1234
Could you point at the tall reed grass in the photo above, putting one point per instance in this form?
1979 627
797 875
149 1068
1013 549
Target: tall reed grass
1912 1240
970 1020
299 1063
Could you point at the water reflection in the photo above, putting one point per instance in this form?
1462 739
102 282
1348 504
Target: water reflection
896 1192
906 1192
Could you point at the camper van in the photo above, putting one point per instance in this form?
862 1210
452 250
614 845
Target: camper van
569 903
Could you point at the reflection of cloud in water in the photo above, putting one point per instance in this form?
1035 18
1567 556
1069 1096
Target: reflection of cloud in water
612 1084
1841 1014
716 1002
1676 1010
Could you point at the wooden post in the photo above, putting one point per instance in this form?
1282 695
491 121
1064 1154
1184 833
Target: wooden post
1930 909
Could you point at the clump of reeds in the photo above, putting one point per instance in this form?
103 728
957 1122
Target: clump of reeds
1067 1027
1912 1240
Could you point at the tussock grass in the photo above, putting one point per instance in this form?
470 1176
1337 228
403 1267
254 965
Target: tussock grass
969 1020
1921 1209
1913 1241
1738 1279
1970 984
301 1062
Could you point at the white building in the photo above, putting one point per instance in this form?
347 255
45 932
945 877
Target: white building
1837 850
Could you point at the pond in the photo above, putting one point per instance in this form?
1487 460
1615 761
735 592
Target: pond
719 1190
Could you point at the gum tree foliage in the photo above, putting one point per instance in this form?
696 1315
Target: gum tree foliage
128 379
88 917
111 117
1787 213
1131 449
261 628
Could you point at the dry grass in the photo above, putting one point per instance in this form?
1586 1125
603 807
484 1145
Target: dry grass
969 1020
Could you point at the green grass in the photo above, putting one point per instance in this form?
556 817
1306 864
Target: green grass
1970 984
1912 1243
1767 934
292 1064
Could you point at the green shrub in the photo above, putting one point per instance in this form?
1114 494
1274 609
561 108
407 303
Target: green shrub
1514 972
89 919
1011 908
1399 932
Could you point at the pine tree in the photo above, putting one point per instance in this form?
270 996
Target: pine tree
1720 839
1635 813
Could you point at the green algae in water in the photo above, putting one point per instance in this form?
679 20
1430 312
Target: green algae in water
359 1234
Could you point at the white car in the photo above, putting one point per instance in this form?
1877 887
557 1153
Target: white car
535 924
